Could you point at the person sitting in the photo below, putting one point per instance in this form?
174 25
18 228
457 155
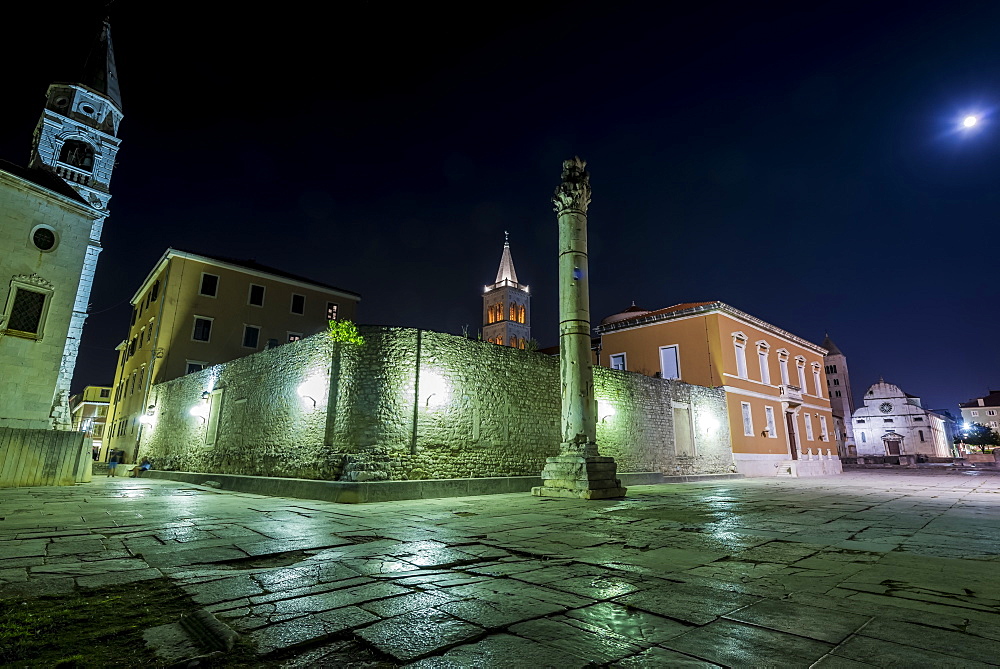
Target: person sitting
144 466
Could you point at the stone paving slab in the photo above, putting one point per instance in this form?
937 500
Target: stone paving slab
885 569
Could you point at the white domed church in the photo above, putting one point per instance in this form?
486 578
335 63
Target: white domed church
895 423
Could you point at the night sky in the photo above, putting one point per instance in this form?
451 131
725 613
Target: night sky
802 164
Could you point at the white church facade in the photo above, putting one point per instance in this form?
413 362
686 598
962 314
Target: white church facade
894 423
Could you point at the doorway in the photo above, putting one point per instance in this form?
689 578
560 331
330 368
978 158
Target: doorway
792 443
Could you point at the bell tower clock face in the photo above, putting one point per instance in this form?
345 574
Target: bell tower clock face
885 407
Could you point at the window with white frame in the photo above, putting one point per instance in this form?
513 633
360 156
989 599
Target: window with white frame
783 365
740 346
202 328
294 336
27 307
800 364
823 433
670 362
747 419
771 428
195 366
765 373
975 413
816 381
807 419
618 361
991 412
209 285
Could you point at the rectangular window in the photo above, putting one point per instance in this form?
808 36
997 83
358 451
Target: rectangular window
823 434
837 393
105 392
809 426
256 296
251 336
765 373
921 433
298 303
294 336
195 366
741 361
816 382
771 429
26 312
861 420
331 311
836 382
618 361
209 285
747 420
919 419
991 412
975 413
783 367
670 364
202 329
102 411
802 377
887 420
214 409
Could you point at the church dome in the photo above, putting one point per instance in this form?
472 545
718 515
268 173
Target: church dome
631 312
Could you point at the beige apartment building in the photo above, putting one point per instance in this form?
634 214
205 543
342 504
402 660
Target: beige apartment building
779 413
194 311
90 413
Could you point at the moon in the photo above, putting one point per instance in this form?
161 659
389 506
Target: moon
970 121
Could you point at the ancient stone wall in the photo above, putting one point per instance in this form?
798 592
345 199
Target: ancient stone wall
411 404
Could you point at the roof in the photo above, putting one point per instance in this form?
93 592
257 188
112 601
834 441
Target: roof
831 347
506 270
43 178
250 264
631 312
99 71
696 308
991 400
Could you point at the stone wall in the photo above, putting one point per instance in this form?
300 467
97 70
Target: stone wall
411 404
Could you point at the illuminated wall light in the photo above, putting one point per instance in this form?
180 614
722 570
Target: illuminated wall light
312 388
605 410
708 424
199 411
435 391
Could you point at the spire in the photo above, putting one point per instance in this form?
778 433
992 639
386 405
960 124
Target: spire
506 271
99 72
830 346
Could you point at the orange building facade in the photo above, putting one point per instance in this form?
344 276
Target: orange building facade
779 413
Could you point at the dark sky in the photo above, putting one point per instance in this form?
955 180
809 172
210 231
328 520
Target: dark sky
801 163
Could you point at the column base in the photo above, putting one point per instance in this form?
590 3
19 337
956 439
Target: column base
580 477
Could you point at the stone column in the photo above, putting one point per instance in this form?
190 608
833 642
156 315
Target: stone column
578 470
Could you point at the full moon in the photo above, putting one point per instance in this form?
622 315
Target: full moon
969 121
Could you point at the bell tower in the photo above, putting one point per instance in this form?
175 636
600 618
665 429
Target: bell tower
76 139
507 306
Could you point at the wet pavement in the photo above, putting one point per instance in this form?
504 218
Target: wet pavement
880 569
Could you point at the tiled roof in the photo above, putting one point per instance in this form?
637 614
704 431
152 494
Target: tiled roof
41 178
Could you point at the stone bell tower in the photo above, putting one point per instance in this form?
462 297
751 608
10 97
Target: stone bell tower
507 306
77 140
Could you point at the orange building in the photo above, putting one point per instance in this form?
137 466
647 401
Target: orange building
779 413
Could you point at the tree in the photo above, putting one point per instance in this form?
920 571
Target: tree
343 330
978 435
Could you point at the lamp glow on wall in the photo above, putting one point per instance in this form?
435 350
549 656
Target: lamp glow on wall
201 409
148 418
605 410
312 388
709 424
435 390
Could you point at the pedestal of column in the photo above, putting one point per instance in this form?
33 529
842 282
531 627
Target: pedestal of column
580 477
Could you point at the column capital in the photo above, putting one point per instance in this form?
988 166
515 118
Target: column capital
574 191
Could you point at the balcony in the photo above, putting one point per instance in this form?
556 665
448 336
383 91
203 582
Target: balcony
791 394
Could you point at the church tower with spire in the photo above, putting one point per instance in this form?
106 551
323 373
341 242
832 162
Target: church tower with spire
51 217
838 384
507 306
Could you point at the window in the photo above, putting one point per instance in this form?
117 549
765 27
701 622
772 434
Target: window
919 419
251 336
991 412
209 285
105 392
921 433
294 336
740 346
135 315
809 426
44 238
800 364
154 292
837 393
298 304
887 420
765 373
256 295
670 364
769 416
783 365
513 312
202 329
500 340
816 381
618 361
861 420
975 413
78 154
331 311
831 369
195 366
836 382
102 411
863 440
149 331
214 409
823 433
26 310
747 419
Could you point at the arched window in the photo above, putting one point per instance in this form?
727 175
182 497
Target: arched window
520 315
78 154
521 343
500 340
513 312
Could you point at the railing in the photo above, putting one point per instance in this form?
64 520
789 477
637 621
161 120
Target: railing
791 394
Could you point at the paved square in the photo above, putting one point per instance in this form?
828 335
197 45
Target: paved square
885 569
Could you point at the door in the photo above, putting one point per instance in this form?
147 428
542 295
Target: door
892 445
792 443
